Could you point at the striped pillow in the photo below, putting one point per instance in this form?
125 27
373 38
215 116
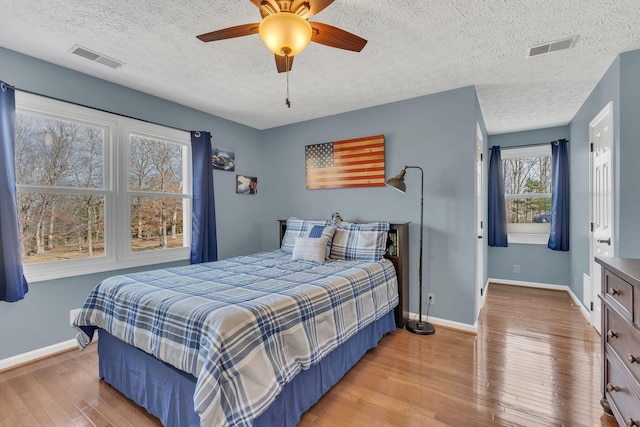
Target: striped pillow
363 242
297 228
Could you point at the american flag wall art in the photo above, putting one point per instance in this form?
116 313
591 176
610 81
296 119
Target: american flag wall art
344 164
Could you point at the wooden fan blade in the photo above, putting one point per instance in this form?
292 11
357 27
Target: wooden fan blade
313 6
229 33
282 62
335 37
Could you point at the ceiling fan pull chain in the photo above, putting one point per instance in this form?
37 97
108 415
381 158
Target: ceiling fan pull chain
286 58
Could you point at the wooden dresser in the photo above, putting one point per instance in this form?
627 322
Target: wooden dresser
398 254
620 295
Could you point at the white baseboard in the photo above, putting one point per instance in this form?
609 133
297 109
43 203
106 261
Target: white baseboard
483 299
41 353
465 327
446 323
565 288
529 284
32 356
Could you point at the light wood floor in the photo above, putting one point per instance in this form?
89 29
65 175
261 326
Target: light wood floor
534 362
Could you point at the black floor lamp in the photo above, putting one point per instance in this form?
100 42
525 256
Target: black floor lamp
416 326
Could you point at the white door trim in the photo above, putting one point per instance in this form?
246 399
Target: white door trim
479 181
601 206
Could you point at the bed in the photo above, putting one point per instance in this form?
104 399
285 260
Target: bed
250 340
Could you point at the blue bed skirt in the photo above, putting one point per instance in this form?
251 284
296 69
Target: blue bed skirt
167 392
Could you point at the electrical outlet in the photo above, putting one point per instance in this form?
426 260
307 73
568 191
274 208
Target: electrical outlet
516 268
431 298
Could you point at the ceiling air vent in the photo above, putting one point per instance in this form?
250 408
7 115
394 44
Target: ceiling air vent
96 57
543 49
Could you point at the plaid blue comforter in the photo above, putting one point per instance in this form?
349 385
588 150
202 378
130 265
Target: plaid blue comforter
244 326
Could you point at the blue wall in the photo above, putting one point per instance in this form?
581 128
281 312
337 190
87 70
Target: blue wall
42 319
629 156
607 89
621 86
435 132
530 258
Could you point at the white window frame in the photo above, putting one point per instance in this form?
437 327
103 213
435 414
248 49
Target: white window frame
117 252
534 234
147 130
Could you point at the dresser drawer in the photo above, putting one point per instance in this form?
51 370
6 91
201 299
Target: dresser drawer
619 292
621 395
623 340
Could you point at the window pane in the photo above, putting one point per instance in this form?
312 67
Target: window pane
521 210
527 175
155 165
56 227
156 223
52 152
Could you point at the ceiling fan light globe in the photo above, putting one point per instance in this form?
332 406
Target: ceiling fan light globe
285 33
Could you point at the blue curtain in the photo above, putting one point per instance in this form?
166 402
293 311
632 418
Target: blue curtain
204 245
497 212
13 285
559 234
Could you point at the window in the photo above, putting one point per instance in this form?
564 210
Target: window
159 194
73 219
527 184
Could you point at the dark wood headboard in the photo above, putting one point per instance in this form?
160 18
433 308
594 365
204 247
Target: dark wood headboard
398 254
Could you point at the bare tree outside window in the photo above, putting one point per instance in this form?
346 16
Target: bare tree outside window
58 163
96 191
155 168
527 181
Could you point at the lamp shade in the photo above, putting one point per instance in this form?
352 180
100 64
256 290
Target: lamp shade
285 33
397 182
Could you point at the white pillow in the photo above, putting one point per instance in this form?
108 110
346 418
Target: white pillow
310 249
327 231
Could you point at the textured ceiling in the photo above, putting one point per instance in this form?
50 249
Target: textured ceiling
415 47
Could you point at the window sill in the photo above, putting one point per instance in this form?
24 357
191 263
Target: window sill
62 269
528 239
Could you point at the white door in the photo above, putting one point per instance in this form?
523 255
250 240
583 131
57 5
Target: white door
601 201
479 223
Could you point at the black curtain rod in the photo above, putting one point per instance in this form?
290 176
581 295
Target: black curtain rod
96 109
531 145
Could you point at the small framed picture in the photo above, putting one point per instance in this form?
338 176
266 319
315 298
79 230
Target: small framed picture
223 159
246 184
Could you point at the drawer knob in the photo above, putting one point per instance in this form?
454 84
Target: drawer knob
633 359
611 387
612 334
631 422
613 292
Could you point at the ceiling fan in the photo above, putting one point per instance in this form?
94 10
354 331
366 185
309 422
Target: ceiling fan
286 31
